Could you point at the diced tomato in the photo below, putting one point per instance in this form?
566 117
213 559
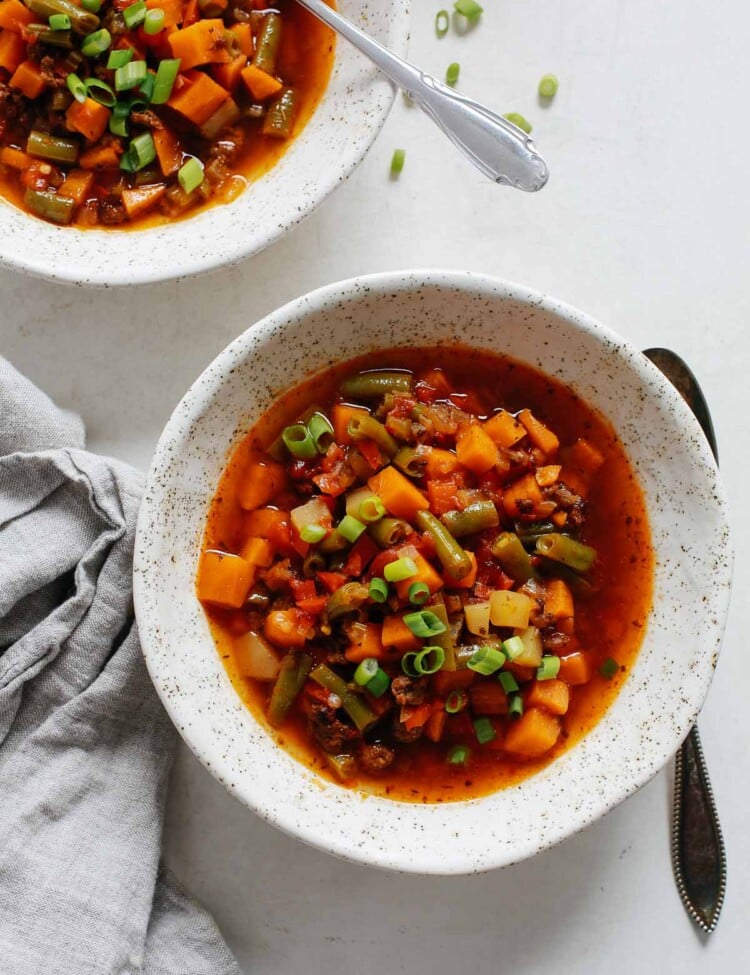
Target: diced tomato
469 402
314 606
331 581
415 716
303 590
424 544
371 453
442 494
382 560
362 553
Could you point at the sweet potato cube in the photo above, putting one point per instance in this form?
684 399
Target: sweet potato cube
533 734
223 579
552 695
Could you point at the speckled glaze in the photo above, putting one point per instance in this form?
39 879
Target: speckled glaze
335 139
687 512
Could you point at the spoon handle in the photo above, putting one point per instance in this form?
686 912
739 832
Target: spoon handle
497 148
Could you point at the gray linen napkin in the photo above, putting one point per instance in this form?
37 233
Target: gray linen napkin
85 746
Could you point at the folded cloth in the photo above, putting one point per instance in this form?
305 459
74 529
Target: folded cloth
85 746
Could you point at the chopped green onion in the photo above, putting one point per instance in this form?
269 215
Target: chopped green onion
118 120
119 58
486 660
378 590
455 702
371 509
366 671
401 569
190 177
135 14
312 534
469 9
397 162
76 87
407 665
483 730
296 437
153 22
519 121
513 647
508 681
429 660
101 92
458 755
515 707
452 73
141 153
166 74
321 431
419 593
130 75
609 668
351 529
548 86
379 684
442 23
97 43
147 88
93 6
424 624
59 22
548 669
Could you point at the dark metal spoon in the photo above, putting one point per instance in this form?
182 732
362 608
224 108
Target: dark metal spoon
698 856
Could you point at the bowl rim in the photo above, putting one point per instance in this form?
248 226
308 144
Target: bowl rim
113 273
470 283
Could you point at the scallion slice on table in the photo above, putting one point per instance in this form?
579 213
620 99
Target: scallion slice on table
483 730
397 161
424 624
378 590
548 86
469 9
166 74
519 121
442 23
458 755
97 43
403 568
452 72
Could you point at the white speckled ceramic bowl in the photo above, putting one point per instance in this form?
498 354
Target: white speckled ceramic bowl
661 696
334 140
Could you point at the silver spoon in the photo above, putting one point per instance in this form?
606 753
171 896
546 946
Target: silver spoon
497 148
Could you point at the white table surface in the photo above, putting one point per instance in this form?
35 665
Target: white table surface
645 224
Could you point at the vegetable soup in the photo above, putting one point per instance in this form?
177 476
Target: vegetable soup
428 572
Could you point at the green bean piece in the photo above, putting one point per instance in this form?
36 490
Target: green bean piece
388 531
366 427
226 114
474 518
267 43
354 705
60 100
563 548
279 122
45 35
530 532
579 586
411 460
373 384
454 560
50 206
515 560
444 640
312 563
52 147
344 766
81 20
289 682
346 599
333 542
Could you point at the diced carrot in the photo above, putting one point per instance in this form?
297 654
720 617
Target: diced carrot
314 606
468 580
445 681
288 628
172 11
263 479
331 580
425 573
540 435
488 698
440 462
201 43
553 695
223 579
14 16
516 496
545 476
101 157
397 493
168 150
77 185
558 601
365 641
28 79
475 449
360 555
504 429
140 199
533 734
259 83
576 481
89 118
442 495
15 158
559 518
12 50
436 723
258 552
199 98
415 716
244 37
229 75
340 416
397 634
303 589
575 668
584 455
264 522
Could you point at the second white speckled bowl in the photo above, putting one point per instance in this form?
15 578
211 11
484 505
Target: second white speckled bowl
687 512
